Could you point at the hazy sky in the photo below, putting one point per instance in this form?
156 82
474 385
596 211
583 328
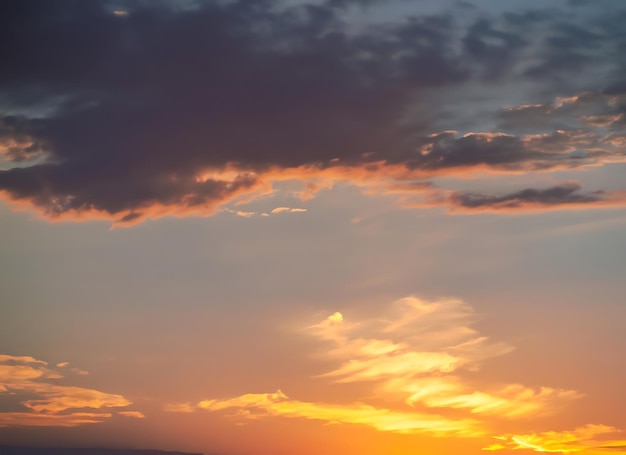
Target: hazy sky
314 227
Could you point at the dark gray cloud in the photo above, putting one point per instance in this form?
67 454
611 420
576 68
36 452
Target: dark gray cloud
447 152
115 114
494 49
564 195
568 115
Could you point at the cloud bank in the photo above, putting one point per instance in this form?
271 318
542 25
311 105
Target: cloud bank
139 110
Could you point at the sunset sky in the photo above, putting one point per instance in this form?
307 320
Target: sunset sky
314 227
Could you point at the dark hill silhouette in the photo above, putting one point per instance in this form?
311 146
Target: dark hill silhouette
86 451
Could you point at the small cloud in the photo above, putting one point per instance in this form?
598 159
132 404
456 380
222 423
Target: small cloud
133 414
240 213
287 210
79 371
120 13
494 447
277 210
179 407
74 370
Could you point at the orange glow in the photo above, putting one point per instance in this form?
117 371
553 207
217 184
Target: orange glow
416 358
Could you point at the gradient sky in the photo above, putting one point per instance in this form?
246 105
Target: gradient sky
314 227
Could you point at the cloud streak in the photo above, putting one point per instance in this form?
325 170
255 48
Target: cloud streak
564 196
278 404
421 354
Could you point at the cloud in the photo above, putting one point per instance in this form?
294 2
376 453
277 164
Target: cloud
419 351
287 209
30 419
74 370
565 195
133 414
45 402
275 211
418 358
278 404
586 440
152 110
241 213
576 113
20 358
180 407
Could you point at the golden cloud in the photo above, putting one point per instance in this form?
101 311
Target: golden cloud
417 359
278 404
418 352
586 440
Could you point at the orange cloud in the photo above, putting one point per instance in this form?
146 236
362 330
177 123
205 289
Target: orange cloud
30 419
53 404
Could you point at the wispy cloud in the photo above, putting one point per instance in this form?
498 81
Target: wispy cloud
287 210
419 353
46 402
278 404
419 357
133 414
275 211
564 196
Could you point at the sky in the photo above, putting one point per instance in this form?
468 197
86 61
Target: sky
302 227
